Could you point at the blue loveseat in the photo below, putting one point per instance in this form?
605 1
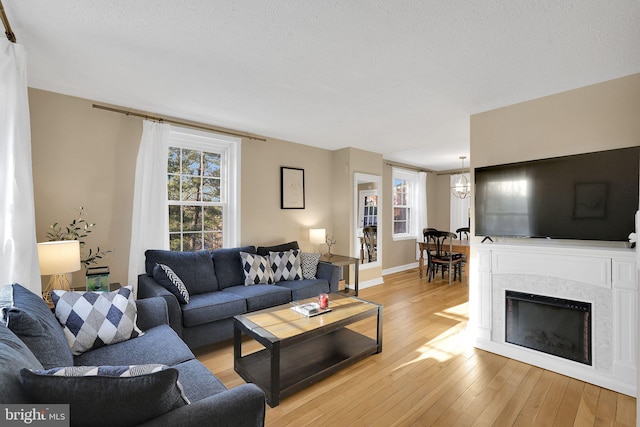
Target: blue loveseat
215 284
32 339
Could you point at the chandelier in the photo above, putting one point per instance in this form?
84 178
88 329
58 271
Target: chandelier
461 187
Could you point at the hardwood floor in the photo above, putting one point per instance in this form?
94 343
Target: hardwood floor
429 374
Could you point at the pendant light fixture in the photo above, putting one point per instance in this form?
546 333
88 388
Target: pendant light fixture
461 187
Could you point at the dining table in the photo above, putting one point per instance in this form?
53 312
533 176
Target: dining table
460 246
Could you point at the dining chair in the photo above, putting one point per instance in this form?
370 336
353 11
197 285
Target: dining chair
439 258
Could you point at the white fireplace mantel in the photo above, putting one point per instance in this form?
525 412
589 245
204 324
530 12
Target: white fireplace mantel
605 277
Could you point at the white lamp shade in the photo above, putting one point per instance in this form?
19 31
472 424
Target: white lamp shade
59 257
317 235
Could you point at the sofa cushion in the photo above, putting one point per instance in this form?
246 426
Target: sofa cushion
198 382
106 398
14 355
307 288
257 269
264 250
95 319
228 265
168 279
212 306
195 269
309 262
30 318
159 344
261 296
286 265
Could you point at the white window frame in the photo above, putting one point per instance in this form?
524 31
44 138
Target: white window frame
412 179
229 149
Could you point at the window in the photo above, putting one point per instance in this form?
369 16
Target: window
202 183
405 187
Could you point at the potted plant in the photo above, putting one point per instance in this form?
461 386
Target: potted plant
78 229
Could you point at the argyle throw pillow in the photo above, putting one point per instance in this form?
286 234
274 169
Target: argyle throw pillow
286 265
256 269
95 319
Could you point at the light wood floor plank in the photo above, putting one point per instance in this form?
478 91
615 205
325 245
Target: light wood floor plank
429 374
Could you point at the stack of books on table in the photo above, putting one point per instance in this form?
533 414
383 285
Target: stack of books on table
309 309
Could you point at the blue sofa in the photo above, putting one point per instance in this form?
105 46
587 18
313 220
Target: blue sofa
215 282
31 338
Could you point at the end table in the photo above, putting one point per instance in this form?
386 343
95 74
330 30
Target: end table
342 260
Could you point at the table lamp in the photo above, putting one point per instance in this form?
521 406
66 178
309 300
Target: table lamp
56 259
317 236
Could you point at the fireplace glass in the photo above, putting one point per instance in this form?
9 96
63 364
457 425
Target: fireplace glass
551 325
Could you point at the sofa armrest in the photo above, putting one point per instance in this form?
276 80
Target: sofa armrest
152 312
240 406
148 288
332 273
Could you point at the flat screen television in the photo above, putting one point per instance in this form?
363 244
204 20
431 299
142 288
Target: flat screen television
592 196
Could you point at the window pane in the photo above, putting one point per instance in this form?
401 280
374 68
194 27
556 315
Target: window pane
213 240
191 189
174 242
174 219
400 214
399 227
211 163
174 160
213 218
191 162
192 218
210 190
173 187
191 242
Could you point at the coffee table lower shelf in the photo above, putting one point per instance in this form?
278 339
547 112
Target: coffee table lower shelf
304 363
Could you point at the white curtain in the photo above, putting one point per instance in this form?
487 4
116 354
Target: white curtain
19 253
422 208
459 208
150 219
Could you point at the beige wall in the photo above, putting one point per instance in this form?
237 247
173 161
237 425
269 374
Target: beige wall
598 117
86 157
263 222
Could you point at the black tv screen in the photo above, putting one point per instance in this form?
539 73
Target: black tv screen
592 196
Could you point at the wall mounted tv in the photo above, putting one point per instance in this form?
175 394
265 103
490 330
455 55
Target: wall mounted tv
592 196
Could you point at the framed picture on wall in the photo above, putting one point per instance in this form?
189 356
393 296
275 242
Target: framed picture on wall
291 188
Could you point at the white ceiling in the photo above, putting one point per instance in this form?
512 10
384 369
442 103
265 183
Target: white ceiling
396 77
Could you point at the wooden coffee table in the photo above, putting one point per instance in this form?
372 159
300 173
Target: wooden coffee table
300 351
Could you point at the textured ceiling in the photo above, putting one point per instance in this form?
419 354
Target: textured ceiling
398 78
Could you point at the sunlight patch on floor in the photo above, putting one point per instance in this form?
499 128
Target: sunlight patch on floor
447 344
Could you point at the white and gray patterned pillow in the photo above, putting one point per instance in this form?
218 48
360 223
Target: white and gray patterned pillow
286 265
309 263
168 279
128 395
256 269
95 319
105 371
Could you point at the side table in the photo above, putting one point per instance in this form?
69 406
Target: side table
342 260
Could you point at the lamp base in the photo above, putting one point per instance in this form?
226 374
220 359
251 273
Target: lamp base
59 282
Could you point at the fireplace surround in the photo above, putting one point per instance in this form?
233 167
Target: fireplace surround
605 278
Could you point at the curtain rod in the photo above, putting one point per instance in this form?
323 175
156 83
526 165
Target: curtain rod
413 168
7 27
175 122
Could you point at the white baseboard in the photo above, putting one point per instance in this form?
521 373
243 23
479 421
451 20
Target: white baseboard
400 268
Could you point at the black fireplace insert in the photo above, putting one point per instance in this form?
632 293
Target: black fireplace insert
551 325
